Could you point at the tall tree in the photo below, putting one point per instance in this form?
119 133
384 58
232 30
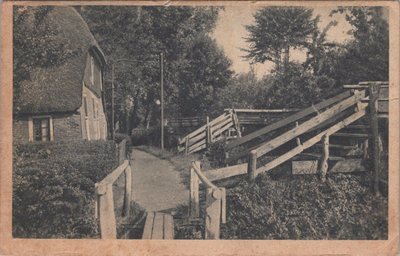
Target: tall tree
139 32
276 31
366 57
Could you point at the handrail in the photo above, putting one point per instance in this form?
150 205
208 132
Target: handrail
105 200
113 176
202 177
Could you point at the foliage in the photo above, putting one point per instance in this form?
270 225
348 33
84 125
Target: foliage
295 87
305 208
366 57
276 30
140 34
53 188
243 91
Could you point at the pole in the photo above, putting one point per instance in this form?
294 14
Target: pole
112 103
162 98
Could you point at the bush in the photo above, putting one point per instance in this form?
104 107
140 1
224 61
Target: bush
302 207
53 187
152 137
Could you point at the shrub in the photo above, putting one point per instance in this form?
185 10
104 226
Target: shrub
303 207
53 187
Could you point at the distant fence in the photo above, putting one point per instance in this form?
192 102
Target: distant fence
195 121
215 212
208 133
105 200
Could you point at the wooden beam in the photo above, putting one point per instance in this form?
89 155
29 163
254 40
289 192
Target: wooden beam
213 213
351 135
148 226
288 120
283 110
226 172
194 205
158 226
196 167
373 110
309 143
128 192
108 228
252 165
113 176
309 124
168 226
323 162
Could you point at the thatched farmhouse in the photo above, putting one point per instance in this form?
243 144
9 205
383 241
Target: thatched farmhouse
64 102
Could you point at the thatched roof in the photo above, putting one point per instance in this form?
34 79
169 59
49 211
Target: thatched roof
59 88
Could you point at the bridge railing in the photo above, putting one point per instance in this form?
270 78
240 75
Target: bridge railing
105 200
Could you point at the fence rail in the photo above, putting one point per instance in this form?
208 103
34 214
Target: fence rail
105 200
208 133
215 213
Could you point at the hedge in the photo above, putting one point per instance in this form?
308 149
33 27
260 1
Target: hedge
303 207
53 187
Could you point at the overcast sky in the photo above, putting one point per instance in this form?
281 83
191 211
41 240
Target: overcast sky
230 31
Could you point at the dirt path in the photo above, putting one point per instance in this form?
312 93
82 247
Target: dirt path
156 185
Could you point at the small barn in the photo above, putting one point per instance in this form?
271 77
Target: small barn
64 102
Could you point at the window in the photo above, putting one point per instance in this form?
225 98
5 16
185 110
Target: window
92 70
41 129
85 109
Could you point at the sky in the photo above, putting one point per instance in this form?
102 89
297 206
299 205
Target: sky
230 32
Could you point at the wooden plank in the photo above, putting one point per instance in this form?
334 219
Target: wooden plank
148 226
194 204
158 226
373 118
252 166
283 110
226 172
168 226
223 205
323 162
313 122
358 126
198 149
288 120
113 176
309 143
223 129
197 145
337 146
221 124
197 138
108 229
351 135
128 192
213 213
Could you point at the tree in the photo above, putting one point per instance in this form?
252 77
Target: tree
140 33
205 71
366 57
276 31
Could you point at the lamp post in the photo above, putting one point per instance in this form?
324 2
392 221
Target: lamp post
161 59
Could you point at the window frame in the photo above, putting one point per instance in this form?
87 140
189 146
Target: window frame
31 127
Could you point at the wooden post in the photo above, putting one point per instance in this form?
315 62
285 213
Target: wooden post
223 205
252 165
187 145
108 228
213 213
323 162
194 195
128 190
373 108
208 132
298 139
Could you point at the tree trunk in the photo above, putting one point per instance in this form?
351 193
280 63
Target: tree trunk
286 54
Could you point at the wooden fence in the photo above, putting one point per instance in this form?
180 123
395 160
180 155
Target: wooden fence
208 133
331 116
105 201
215 212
